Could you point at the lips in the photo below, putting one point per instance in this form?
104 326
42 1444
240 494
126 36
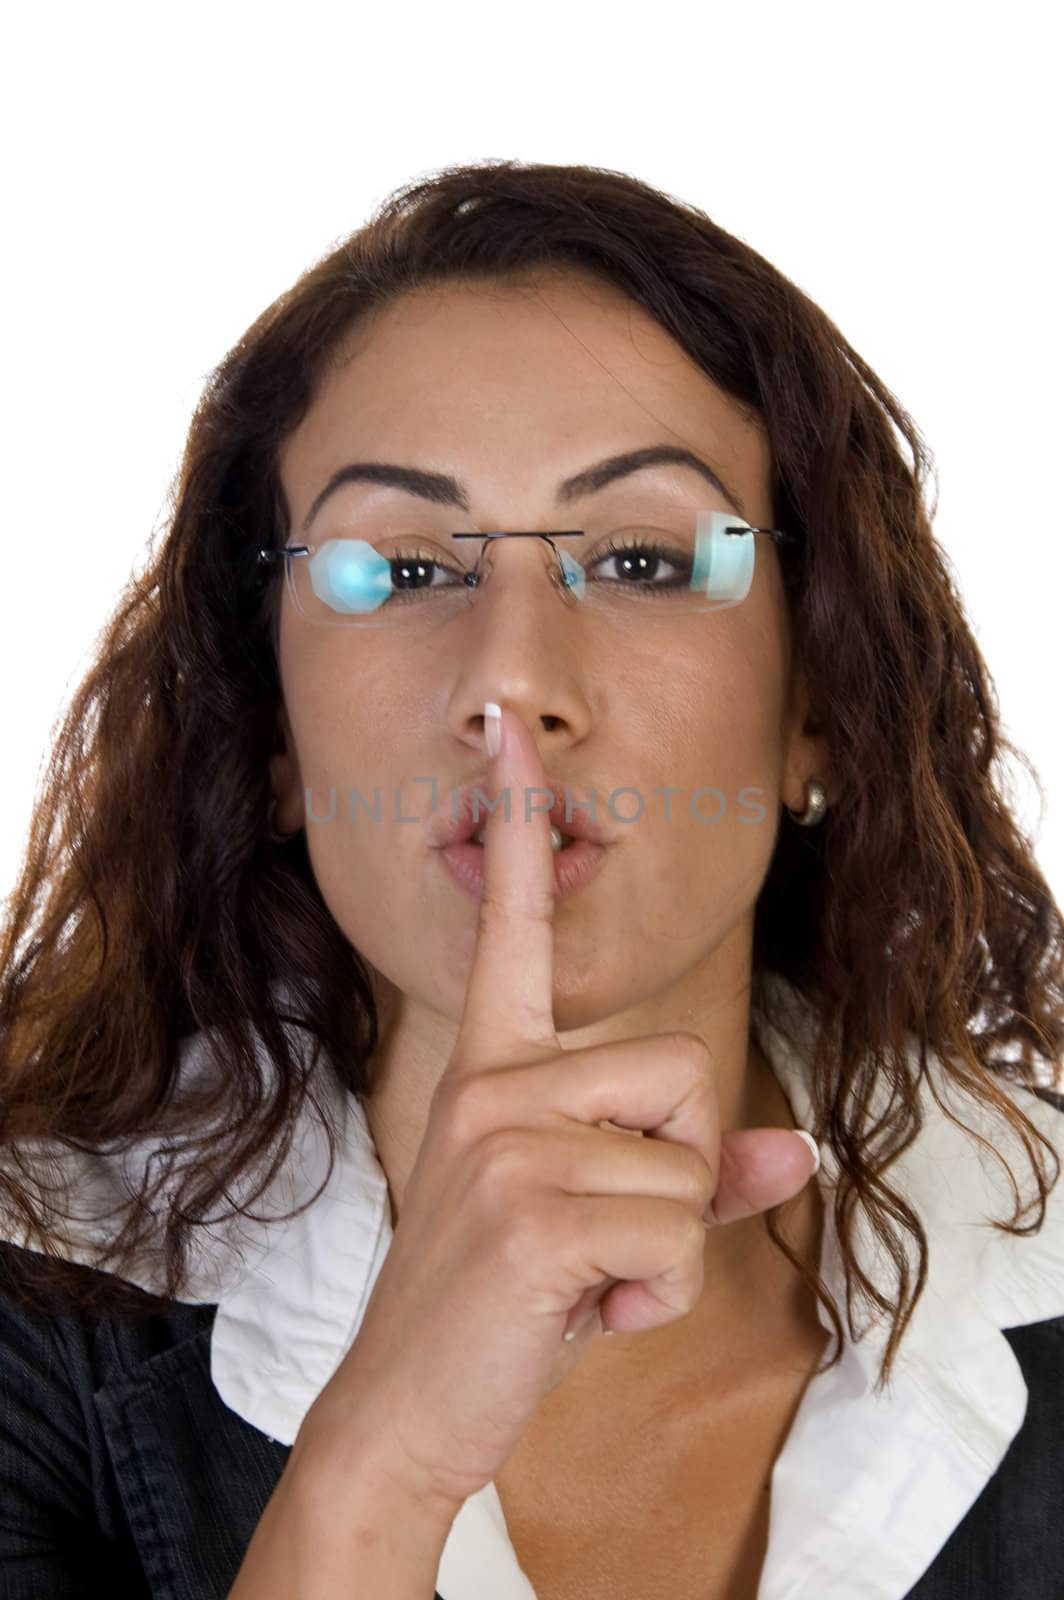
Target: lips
573 867
455 822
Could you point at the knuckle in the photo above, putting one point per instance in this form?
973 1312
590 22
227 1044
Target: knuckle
701 1186
686 1274
689 1047
524 1238
469 1105
692 1054
505 1157
695 1232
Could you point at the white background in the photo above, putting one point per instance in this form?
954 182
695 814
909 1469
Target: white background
169 171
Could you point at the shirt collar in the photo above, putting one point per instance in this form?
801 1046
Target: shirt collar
879 1481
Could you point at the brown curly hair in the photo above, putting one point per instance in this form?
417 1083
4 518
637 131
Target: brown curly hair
152 904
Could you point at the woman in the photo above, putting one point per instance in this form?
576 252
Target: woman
320 1112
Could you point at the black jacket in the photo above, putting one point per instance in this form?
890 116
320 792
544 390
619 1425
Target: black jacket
123 1472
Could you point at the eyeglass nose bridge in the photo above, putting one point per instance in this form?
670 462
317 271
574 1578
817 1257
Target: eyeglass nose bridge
568 579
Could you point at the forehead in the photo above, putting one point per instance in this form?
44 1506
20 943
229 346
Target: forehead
514 383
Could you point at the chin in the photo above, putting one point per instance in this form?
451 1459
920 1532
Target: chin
573 1012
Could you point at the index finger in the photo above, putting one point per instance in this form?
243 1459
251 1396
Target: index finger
509 1004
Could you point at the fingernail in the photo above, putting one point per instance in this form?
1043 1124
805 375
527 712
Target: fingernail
584 1322
807 1138
492 727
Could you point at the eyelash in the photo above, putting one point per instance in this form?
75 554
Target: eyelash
648 547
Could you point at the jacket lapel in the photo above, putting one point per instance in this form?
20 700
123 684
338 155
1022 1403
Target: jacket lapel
193 1476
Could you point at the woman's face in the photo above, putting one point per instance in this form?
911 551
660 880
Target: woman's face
511 388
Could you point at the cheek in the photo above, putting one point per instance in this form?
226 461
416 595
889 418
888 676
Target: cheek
711 721
351 766
712 736
346 707
362 728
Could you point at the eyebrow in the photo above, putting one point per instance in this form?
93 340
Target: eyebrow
444 490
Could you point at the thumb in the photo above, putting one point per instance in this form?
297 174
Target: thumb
759 1168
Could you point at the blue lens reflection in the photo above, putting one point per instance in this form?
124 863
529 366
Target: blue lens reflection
724 563
348 575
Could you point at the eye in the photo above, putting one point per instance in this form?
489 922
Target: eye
643 561
353 576
414 572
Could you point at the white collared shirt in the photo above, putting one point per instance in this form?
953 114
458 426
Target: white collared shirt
864 1485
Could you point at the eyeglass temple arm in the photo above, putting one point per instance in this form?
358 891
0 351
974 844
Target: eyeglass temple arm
266 556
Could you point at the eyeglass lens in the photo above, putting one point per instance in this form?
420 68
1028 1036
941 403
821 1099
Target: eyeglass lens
381 571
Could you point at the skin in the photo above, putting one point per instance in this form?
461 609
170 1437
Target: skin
512 386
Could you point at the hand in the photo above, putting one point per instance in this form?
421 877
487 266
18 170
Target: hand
521 1213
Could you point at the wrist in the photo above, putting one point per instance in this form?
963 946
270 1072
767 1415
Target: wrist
337 1452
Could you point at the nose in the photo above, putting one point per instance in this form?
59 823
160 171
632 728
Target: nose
521 647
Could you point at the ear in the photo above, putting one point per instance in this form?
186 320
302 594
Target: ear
806 754
286 781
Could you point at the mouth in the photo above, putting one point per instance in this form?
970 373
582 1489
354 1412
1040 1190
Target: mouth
558 840
575 864
580 844
572 815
